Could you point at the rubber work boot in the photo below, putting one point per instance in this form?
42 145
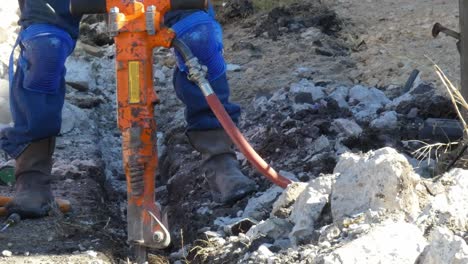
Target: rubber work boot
33 197
220 166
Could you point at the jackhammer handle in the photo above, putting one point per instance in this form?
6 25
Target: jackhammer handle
82 7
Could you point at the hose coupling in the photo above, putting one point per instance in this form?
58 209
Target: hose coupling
197 74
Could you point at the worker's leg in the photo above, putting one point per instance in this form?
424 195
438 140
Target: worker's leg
36 97
202 34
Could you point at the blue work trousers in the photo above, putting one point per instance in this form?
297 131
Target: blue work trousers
37 89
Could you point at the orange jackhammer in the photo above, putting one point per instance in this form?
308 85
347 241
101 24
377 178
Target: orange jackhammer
138 28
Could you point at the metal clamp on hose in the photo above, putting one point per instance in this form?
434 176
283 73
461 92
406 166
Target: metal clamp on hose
189 4
83 7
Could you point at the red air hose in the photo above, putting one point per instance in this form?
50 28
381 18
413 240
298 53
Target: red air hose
197 75
244 146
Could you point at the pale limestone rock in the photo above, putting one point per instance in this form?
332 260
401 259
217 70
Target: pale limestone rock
346 127
309 206
389 243
450 207
444 247
260 206
380 180
281 207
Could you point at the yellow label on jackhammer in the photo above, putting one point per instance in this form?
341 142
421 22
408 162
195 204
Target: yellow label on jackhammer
134 81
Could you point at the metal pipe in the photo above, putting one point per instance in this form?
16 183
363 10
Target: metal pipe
438 28
464 46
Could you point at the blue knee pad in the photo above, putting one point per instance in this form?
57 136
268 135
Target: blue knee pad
43 58
203 35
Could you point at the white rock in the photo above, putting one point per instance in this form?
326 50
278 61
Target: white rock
444 247
366 102
287 198
275 228
264 251
321 144
260 206
346 127
309 206
380 180
340 95
369 96
451 207
78 70
387 244
386 121
72 117
7 253
305 86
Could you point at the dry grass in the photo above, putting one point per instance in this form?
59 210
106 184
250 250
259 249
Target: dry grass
441 149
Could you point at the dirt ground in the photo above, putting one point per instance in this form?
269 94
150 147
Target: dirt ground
382 42
376 43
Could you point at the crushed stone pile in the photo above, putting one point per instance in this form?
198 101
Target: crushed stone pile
373 209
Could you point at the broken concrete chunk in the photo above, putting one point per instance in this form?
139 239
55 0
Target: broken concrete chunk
347 127
308 208
282 206
259 208
444 247
72 117
366 102
78 73
274 228
340 95
307 87
387 244
378 180
386 121
369 96
450 207
321 144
